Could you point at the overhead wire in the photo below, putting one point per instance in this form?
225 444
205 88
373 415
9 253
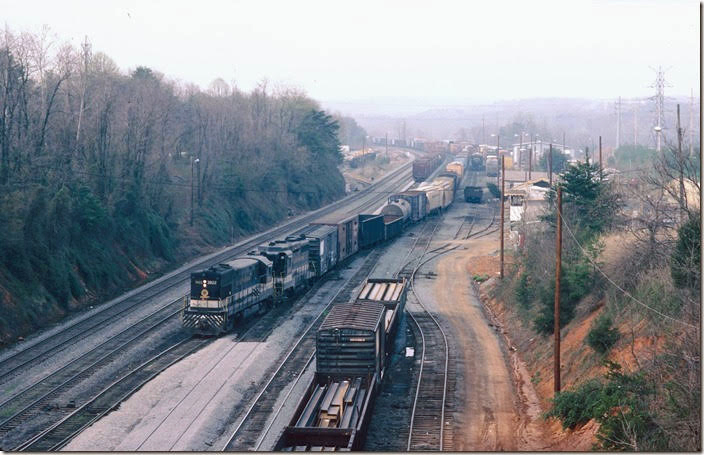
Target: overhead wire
613 283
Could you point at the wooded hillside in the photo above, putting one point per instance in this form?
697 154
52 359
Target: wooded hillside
96 168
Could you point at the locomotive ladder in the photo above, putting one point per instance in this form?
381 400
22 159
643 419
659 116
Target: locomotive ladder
279 294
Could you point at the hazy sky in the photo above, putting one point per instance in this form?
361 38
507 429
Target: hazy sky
434 51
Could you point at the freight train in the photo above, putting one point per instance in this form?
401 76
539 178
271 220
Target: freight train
353 346
424 167
223 294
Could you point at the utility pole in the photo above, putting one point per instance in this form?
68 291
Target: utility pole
520 156
530 159
691 123
683 197
586 154
498 155
558 266
601 164
635 124
192 179
550 165
503 179
564 147
618 123
386 143
200 194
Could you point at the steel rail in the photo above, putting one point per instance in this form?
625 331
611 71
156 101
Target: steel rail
53 439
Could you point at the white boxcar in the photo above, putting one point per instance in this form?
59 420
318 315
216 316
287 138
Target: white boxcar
433 194
447 188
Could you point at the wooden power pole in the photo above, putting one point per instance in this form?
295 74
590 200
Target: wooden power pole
498 155
558 266
601 164
550 165
386 144
530 159
192 177
680 165
503 179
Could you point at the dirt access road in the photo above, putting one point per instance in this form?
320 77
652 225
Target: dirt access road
498 411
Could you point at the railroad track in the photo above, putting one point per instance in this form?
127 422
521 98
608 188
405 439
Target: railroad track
428 412
70 426
63 431
248 434
259 332
15 363
31 401
427 429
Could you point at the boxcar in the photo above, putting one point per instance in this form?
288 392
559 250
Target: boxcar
322 248
456 168
492 166
446 185
347 232
371 230
433 194
422 168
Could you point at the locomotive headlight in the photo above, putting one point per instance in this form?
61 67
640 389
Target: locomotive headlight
205 284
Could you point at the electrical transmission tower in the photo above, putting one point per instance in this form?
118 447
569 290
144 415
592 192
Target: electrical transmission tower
659 100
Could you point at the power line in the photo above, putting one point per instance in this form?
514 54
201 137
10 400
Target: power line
613 282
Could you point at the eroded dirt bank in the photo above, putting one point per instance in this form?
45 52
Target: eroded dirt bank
499 410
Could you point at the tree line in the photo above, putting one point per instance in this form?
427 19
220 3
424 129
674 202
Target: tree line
97 167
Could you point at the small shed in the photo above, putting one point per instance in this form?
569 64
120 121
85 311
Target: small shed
527 200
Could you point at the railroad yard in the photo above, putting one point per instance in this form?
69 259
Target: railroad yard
167 391
248 226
